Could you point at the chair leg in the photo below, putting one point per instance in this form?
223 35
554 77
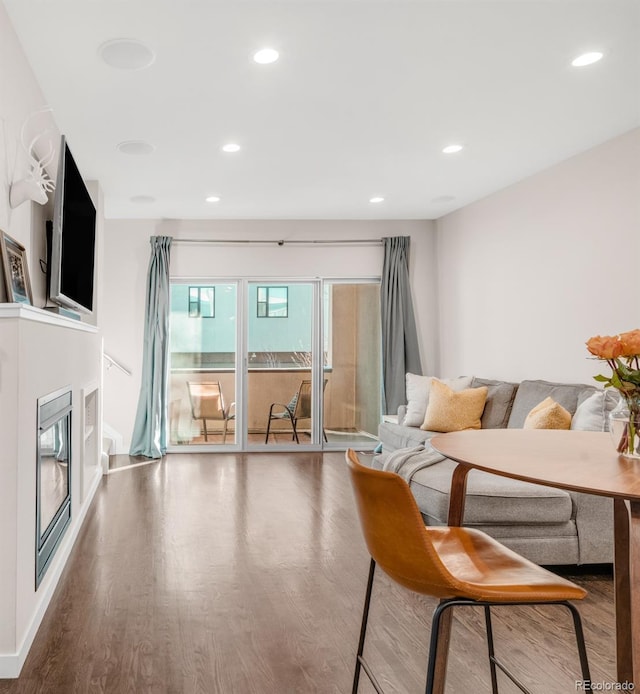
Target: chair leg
204 425
582 648
295 430
266 438
495 663
435 633
224 431
492 655
433 644
363 628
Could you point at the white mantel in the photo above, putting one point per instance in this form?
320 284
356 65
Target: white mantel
39 315
40 352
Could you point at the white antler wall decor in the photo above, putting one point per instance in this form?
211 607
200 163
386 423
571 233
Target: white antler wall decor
37 183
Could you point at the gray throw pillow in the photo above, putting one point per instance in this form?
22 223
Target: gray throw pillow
499 402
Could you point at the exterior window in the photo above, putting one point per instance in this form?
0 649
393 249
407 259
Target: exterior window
273 302
202 302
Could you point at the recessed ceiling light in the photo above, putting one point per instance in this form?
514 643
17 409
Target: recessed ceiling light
451 149
586 59
212 198
143 199
126 54
231 147
266 55
376 199
138 147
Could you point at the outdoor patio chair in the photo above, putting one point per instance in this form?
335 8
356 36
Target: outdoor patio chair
299 407
207 404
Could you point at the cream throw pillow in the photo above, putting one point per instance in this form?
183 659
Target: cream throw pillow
592 414
449 410
548 415
417 389
589 415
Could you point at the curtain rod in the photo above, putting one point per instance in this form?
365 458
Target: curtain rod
282 242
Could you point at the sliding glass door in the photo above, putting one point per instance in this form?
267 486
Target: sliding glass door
275 365
351 335
282 409
202 379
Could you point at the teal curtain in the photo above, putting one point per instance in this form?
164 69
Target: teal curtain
400 350
150 429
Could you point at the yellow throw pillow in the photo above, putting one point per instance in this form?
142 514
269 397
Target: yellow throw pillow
449 410
548 415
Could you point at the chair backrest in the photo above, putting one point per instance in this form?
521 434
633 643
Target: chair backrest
394 531
300 404
206 400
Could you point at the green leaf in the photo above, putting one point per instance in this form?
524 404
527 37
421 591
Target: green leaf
615 381
626 374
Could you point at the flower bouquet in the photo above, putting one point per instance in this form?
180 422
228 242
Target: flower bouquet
622 353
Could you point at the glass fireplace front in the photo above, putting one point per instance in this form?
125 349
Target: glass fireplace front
53 483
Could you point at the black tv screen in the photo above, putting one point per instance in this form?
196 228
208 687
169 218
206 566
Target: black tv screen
73 238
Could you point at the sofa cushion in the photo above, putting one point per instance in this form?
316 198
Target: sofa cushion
548 414
531 393
417 391
448 410
499 402
394 436
491 499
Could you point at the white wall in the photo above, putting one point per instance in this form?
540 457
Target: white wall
20 96
126 256
527 275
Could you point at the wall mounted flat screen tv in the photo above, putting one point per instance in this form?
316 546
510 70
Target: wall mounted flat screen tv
71 259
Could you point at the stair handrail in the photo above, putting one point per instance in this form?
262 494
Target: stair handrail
113 362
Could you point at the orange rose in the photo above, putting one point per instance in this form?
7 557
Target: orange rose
605 347
630 342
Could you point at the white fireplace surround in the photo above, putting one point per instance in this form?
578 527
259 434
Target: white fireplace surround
40 353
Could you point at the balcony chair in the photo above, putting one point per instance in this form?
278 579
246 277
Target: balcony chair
460 566
299 407
207 403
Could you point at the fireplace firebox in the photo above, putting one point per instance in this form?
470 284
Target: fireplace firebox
53 476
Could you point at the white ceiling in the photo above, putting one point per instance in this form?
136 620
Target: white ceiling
362 101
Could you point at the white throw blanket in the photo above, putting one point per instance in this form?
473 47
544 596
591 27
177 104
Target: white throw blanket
407 461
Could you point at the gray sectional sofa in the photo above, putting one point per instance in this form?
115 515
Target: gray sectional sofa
548 526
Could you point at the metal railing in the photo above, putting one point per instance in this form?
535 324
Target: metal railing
113 362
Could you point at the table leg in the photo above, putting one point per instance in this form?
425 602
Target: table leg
457 498
626 575
634 591
458 494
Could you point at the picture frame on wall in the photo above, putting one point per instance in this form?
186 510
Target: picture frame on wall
13 257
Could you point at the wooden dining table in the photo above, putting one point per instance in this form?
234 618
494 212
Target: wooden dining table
580 461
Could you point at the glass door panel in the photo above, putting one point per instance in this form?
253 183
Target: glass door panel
280 334
202 378
351 334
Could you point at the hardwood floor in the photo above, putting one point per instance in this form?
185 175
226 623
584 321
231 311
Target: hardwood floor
245 574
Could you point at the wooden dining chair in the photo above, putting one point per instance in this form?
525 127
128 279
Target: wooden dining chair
460 566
